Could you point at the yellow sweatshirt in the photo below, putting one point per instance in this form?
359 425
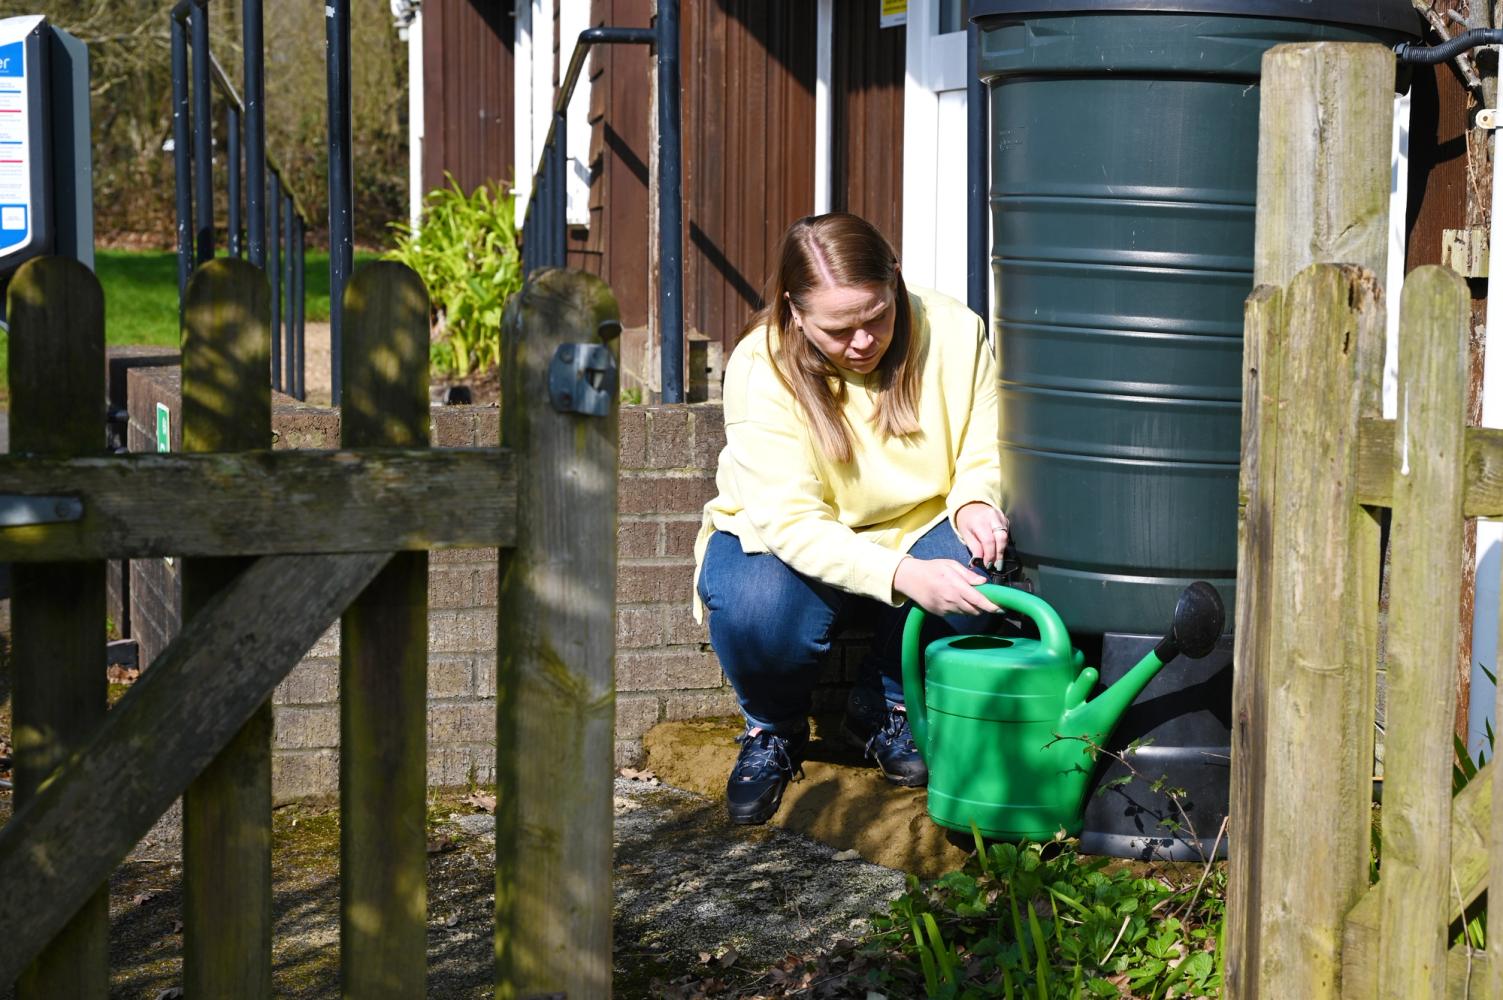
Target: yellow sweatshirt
849 524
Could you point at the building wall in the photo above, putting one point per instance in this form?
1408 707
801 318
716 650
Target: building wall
748 73
867 106
467 92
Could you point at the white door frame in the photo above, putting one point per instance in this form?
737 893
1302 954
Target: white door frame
934 139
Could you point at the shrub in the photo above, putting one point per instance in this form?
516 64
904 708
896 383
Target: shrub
465 250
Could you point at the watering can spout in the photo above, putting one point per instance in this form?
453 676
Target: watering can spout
1199 617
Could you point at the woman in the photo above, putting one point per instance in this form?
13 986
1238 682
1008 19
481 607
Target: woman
860 473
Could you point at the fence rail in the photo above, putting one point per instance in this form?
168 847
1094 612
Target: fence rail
258 593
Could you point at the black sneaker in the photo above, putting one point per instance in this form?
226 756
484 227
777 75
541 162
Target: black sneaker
890 744
763 768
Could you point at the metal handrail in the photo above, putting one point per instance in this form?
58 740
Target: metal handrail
285 264
545 223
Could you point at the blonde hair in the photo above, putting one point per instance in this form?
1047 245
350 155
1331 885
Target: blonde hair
839 250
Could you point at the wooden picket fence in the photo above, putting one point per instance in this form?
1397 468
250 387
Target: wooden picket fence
1318 463
277 546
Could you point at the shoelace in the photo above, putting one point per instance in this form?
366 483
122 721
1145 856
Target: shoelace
894 729
768 750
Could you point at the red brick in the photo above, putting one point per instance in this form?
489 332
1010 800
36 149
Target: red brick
670 438
632 434
453 427
487 426
682 629
297 728
462 722
485 587
709 434
679 536
450 676
681 705
638 539
635 714
639 584
639 627
462 555
664 494
451 587
667 671
630 753
299 774
312 682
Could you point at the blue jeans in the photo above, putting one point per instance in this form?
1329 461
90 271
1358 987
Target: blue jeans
771 625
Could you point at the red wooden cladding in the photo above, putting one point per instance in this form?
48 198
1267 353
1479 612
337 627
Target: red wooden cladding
467 92
615 246
866 100
748 72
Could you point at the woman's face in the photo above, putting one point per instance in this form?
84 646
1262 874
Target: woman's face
850 324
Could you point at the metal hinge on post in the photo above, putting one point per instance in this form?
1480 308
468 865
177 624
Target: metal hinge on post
18 511
582 379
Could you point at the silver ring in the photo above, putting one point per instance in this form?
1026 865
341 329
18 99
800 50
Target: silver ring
999 530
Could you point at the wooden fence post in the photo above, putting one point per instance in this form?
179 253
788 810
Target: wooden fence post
1263 338
1316 644
227 810
555 697
1427 544
383 676
1324 132
56 312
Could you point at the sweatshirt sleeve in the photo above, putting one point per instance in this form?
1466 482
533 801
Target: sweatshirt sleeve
769 461
978 459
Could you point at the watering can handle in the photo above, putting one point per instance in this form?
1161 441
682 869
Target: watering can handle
1052 636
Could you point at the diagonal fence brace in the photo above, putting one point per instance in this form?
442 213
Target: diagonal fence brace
63 844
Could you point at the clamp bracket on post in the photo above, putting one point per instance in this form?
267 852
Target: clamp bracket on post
19 511
582 379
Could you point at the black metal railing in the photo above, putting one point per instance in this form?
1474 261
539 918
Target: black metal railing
272 217
545 225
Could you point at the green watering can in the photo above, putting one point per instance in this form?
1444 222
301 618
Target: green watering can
986 713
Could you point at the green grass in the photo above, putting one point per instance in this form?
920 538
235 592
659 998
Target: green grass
140 298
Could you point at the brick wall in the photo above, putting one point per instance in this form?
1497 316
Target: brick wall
665 669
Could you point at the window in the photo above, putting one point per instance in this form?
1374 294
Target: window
953 15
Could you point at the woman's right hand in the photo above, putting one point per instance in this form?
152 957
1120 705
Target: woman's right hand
941 586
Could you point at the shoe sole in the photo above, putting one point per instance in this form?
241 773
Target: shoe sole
855 740
758 818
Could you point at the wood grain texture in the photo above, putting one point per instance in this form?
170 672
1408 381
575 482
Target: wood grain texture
1323 152
56 312
266 503
174 721
227 810
1472 825
1494 784
1483 495
1317 657
555 695
1262 337
1427 543
383 661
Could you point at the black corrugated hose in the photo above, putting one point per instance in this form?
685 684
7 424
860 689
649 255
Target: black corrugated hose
1429 55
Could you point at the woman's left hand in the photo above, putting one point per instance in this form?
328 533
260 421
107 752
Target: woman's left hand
983 528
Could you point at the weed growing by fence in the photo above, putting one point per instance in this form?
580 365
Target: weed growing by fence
465 250
1039 921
